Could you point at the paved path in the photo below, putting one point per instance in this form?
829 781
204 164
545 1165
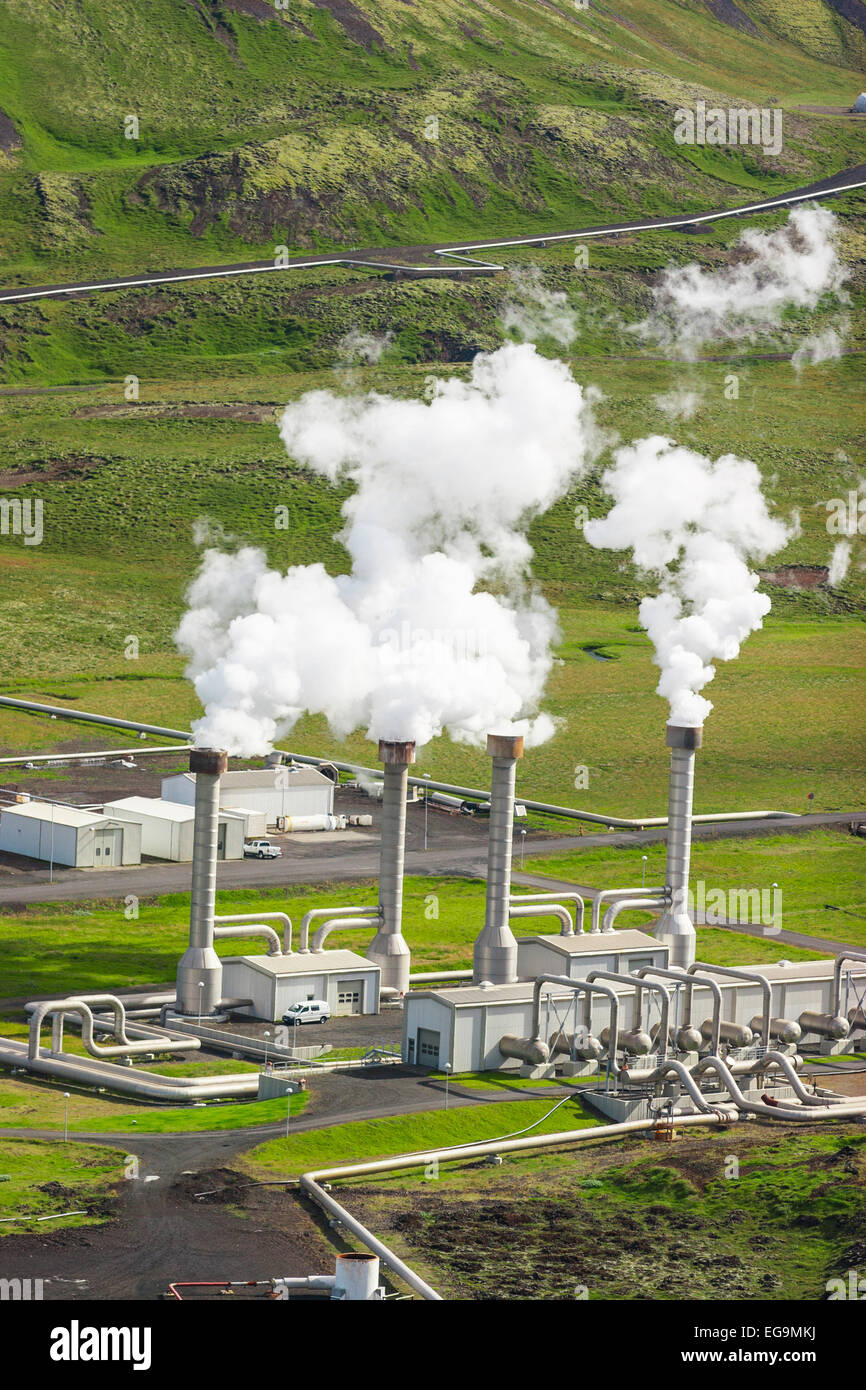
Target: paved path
410 260
338 863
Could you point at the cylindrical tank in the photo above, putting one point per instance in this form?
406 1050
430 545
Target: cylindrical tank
632 1040
829 1026
734 1034
357 1277
494 956
688 1038
785 1030
582 1045
532 1051
291 824
856 1019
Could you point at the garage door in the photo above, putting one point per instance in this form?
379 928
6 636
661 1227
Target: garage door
349 996
428 1048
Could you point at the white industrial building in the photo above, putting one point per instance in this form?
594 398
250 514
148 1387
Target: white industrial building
282 793
345 981
167 827
462 1026
65 835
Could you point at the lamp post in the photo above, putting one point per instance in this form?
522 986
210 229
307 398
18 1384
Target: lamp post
447 1069
643 871
266 1036
200 988
426 775
66 1116
522 843
288 1109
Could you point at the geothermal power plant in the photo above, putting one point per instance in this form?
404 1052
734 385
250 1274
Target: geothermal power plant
552 990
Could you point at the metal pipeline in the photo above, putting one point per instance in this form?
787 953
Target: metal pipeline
274 946
711 1029
343 924
148 1041
546 910
318 913
257 917
640 985
588 988
630 905
688 1037
311 1182
752 978
609 895
837 976
125 1081
675 926
388 949
200 972
575 898
495 950
807 1115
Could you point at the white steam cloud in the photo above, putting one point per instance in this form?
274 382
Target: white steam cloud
819 347
794 266
840 562
407 644
537 312
694 525
356 346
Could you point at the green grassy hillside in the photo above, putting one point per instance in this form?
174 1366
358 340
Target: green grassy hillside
311 126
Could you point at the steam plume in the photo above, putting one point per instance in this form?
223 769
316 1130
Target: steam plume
693 525
407 644
791 267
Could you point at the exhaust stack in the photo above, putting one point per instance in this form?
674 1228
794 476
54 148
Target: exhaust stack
675 927
495 953
200 964
388 949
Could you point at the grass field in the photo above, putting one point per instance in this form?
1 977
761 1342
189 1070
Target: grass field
94 947
312 128
369 1139
739 1216
821 877
47 1178
40 1105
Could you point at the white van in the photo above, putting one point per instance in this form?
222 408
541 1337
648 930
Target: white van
313 1011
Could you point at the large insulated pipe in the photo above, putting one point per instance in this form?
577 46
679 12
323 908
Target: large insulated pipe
849 955
388 949
675 927
494 957
199 972
524 899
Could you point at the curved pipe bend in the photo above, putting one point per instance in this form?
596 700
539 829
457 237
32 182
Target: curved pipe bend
344 924
256 918
630 905
752 977
840 960
546 910
575 898
663 1038
611 894
322 913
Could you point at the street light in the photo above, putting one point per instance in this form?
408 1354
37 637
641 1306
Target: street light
522 843
200 988
267 1035
643 872
66 1117
426 775
288 1108
447 1069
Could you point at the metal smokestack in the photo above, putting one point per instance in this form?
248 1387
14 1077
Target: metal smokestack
495 953
675 926
388 949
200 964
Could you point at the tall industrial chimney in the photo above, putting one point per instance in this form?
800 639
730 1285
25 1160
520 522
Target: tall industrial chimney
199 972
675 926
495 953
388 949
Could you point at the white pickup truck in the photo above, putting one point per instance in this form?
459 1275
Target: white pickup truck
261 849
